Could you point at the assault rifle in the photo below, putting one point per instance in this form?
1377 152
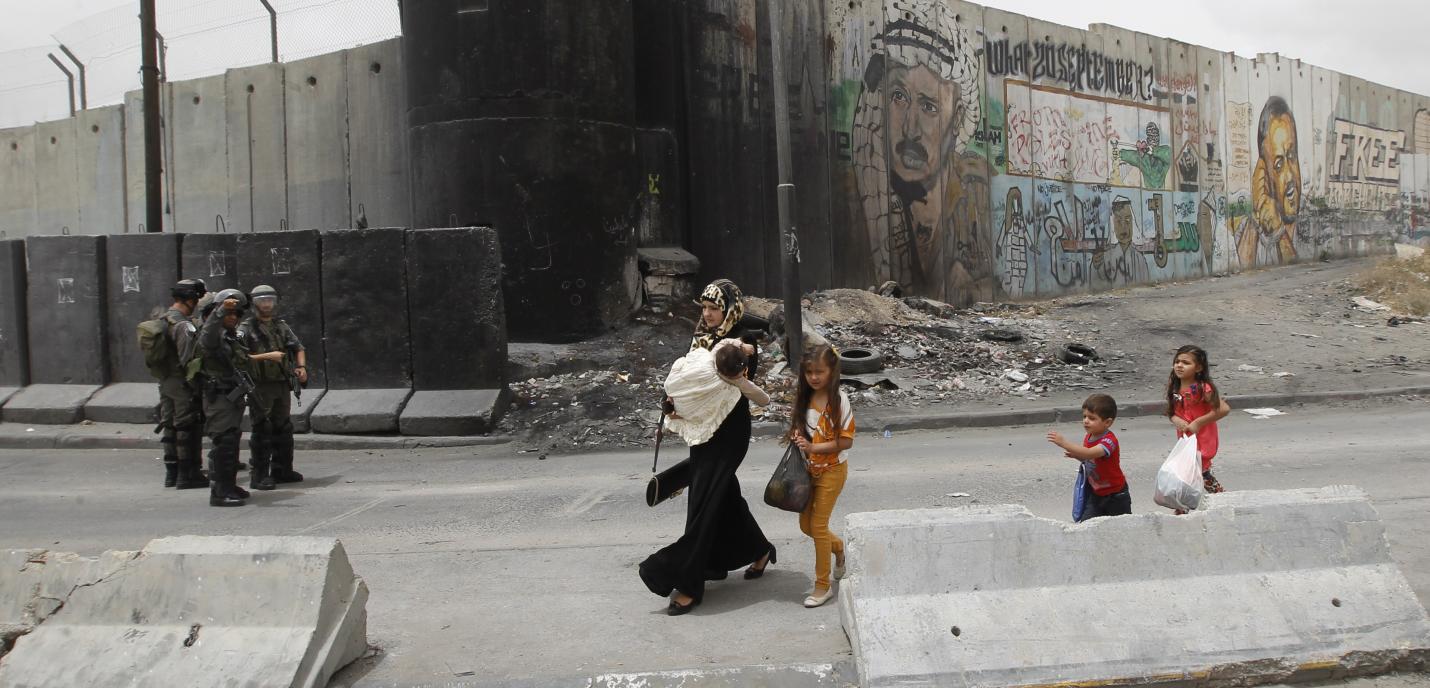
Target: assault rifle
291 371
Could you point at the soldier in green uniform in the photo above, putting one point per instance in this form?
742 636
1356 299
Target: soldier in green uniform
279 366
227 384
180 412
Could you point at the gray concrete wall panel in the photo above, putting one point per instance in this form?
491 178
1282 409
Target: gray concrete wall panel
198 161
257 174
290 262
380 192
134 164
56 177
317 125
364 313
65 308
457 343
140 270
17 189
212 258
100 170
14 339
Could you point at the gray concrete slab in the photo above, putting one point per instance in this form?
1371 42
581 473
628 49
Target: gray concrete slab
124 402
257 174
134 163
290 262
1258 586
453 412
381 193
48 404
56 178
99 168
212 258
189 609
347 411
365 332
6 393
197 163
140 270
14 326
459 344
65 307
316 117
17 192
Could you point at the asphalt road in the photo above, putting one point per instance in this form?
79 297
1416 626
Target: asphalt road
487 565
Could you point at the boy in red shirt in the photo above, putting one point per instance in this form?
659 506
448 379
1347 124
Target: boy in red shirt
1100 455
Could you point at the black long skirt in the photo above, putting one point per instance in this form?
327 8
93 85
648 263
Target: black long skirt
720 532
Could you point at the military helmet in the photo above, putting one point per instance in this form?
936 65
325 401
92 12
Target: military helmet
262 290
189 289
235 294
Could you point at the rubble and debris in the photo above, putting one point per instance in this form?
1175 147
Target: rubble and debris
1245 368
1263 413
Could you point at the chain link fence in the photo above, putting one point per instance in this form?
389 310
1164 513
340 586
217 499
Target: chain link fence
197 38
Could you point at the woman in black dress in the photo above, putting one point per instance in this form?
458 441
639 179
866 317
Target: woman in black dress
720 532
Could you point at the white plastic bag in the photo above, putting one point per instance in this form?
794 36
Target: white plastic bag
1179 481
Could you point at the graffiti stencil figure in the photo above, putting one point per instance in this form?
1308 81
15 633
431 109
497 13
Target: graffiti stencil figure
924 195
1275 190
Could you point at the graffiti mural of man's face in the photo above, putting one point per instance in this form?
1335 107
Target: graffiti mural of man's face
1283 168
920 107
1122 222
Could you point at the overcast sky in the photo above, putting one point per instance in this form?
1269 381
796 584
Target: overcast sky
1384 41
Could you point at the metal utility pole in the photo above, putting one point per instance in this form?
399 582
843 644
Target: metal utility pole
153 152
272 27
83 87
68 75
784 194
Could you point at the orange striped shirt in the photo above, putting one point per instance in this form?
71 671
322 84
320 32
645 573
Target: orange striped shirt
821 428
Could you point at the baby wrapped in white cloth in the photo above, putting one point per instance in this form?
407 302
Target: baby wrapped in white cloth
705 386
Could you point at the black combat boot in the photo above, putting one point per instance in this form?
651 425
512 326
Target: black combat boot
260 455
171 460
223 459
190 462
282 468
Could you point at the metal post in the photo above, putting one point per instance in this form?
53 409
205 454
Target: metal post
272 27
163 57
784 194
83 87
68 75
153 152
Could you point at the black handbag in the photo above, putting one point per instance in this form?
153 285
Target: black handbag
669 482
790 487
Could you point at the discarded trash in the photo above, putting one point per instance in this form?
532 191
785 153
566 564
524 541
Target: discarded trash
1026 386
1015 375
1250 368
1303 334
29 429
858 360
623 377
1001 335
957 494
1398 320
907 352
1283 374
1260 413
1369 305
888 434
890 289
990 320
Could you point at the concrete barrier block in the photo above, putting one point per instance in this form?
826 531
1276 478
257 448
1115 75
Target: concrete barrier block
212 258
48 404
65 302
453 412
344 411
259 611
140 269
6 393
1259 587
124 402
14 326
34 584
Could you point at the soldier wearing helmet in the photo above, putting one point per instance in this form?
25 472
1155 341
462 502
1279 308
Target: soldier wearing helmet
227 383
279 366
180 408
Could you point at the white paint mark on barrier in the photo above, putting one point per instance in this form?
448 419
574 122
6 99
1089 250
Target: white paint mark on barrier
130 278
282 260
66 288
218 263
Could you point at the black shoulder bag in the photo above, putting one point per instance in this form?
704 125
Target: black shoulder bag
669 482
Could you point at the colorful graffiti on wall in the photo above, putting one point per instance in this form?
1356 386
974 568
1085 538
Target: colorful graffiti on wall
985 165
923 193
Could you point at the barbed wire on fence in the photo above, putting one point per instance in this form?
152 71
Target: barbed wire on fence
198 38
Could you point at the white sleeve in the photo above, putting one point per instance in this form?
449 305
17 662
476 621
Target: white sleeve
846 411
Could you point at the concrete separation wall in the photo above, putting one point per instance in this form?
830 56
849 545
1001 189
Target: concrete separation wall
381 195
197 159
1259 587
257 192
100 170
14 337
17 190
261 611
55 180
66 309
317 126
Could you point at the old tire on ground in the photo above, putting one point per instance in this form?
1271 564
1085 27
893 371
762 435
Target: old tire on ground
1077 354
859 361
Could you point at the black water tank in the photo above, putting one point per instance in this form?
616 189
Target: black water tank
520 118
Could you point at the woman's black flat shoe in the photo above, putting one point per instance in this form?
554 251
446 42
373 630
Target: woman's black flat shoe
753 573
676 609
